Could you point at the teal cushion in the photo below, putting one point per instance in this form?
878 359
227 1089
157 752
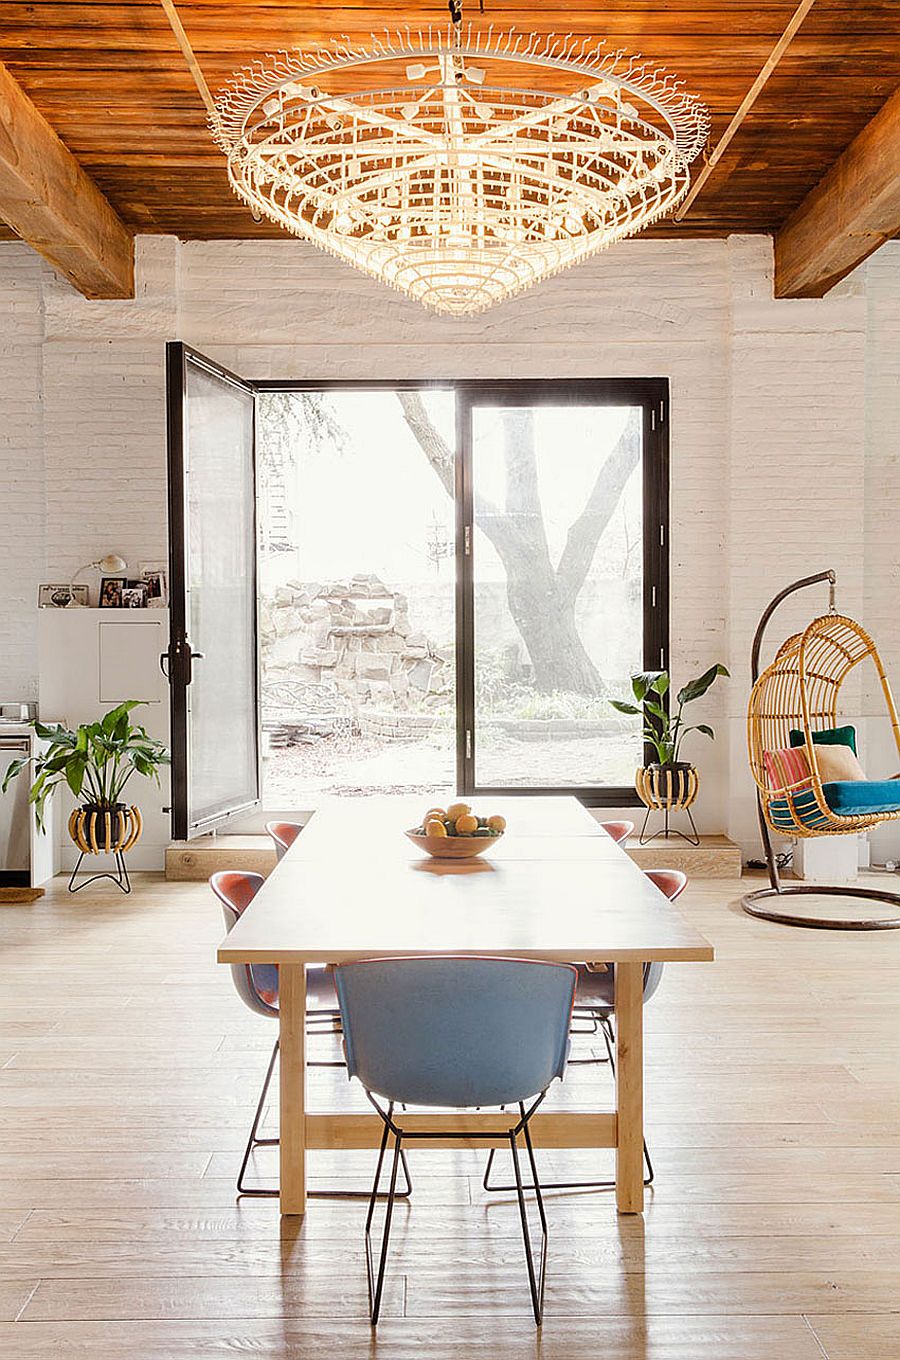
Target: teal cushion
829 736
858 797
845 798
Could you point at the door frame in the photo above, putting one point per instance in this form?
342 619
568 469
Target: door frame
653 396
179 656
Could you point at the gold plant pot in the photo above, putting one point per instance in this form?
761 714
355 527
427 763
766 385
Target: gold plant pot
112 831
667 788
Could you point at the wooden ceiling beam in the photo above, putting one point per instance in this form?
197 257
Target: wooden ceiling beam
853 210
49 201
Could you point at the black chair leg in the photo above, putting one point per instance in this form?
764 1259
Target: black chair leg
376 1282
493 1188
253 1141
573 1030
535 1283
258 1192
608 1039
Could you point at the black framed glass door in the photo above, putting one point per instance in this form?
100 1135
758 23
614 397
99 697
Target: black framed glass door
212 660
389 640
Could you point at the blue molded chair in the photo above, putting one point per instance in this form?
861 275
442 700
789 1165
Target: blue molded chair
257 986
459 1032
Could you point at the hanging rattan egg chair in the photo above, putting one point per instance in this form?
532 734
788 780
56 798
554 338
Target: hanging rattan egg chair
794 698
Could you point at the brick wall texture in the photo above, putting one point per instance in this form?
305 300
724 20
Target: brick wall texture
784 420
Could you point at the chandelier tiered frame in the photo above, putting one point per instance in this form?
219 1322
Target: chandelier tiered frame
439 163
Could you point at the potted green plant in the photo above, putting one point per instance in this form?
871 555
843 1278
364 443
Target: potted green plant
667 782
96 761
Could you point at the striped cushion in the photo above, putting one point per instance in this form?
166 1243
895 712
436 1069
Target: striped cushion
786 767
801 809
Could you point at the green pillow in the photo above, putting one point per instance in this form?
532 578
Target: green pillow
829 736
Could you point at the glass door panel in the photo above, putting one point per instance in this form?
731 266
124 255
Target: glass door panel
558 590
357 592
212 659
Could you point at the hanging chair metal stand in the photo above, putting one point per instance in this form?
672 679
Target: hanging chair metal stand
761 903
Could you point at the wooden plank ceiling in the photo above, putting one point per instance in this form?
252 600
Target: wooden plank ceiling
112 82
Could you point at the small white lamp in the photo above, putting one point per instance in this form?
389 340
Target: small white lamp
111 563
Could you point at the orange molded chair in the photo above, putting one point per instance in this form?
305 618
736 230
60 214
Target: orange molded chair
257 986
595 996
283 834
620 831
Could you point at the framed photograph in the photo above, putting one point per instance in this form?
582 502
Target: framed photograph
111 588
57 597
156 576
134 595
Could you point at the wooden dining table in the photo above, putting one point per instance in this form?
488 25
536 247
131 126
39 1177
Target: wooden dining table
554 886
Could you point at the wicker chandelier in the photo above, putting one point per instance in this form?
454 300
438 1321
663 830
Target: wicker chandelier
440 163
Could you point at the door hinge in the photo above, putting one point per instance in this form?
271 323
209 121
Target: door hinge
653 597
662 659
652 417
662 535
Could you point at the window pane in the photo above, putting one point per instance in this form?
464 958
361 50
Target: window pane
358 592
558 611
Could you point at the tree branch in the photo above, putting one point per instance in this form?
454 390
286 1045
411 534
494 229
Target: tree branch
587 530
433 445
440 455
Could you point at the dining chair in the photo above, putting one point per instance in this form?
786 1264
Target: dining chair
257 986
620 831
455 1032
595 996
283 834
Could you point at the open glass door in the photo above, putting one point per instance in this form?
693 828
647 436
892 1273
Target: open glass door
212 661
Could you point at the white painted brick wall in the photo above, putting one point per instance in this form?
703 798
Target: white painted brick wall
22 493
783 417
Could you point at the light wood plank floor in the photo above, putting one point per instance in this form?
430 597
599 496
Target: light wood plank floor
128 1074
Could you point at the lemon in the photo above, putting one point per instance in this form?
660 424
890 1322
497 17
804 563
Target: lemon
466 824
457 810
435 827
497 823
434 812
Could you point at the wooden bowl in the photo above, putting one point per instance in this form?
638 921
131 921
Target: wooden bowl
452 847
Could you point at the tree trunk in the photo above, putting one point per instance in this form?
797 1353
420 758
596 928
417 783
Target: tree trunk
545 620
541 598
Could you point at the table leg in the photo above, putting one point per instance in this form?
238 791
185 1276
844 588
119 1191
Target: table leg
292 1057
629 1088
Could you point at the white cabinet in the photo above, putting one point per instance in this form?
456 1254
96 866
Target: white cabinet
90 660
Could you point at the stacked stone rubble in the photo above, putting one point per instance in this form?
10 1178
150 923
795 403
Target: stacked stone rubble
352 640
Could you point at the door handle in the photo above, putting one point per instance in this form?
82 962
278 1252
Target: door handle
175 663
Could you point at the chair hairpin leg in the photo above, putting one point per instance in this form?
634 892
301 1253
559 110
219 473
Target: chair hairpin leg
536 1279
493 1188
253 1142
376 1283
536 1285
585 1062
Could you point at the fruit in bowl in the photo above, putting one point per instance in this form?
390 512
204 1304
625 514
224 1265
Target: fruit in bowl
456 832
